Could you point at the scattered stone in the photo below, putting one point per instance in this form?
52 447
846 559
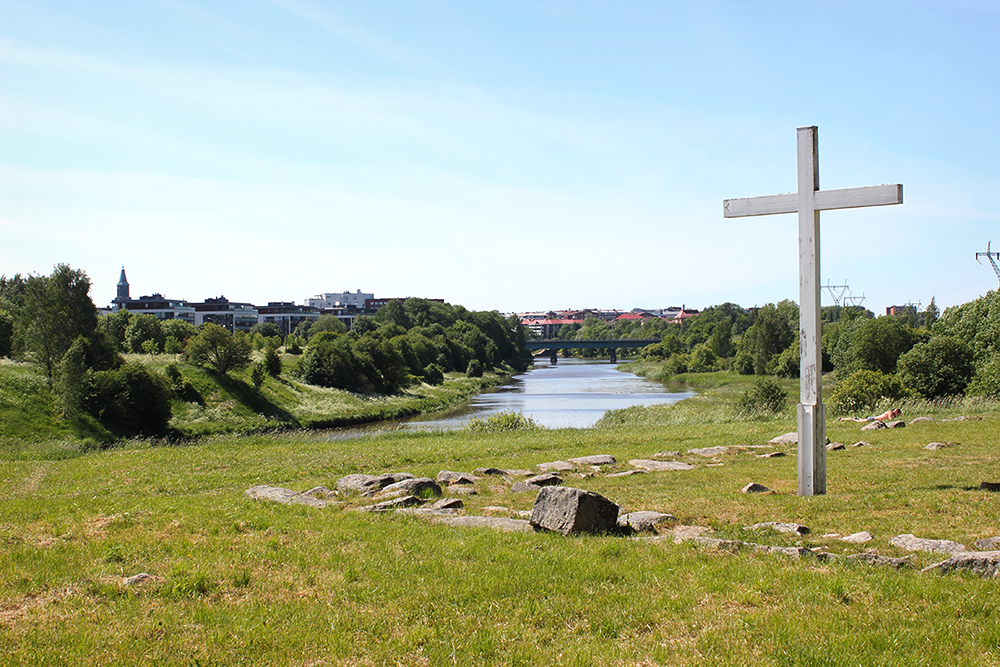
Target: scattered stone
494 522
896 424
568 511
921 420
912 543
496 509
786 439
489 471
416 486
966 418
557 466
395 503
520 473
645 520
659 466
873 558
874 426
446 504
462 491
754 487
320 492
627 473
708 452
455 478
835 446
666 455
858 538
369 484
939 445
545 479
524 487
284 496
595 460
861 443
140 578
989 486
714 465
984 563
790 528
771 455
685 533
988 544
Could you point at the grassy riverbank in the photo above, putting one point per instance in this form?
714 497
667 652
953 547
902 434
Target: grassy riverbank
248 582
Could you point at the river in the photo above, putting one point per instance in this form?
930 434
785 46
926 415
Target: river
573 393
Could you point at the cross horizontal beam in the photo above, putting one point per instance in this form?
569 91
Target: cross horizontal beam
825 200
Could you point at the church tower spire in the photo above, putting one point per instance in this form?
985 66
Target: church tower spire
123 290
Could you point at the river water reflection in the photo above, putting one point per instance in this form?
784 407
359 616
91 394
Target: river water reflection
573 393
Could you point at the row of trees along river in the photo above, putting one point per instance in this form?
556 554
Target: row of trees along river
52 322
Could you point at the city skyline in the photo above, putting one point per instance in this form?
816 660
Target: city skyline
501 156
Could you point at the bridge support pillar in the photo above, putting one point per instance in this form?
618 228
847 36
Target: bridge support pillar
554 355
614 355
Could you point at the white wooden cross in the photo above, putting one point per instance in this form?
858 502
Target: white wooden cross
808 202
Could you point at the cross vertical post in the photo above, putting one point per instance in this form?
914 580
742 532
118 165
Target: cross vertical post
808 202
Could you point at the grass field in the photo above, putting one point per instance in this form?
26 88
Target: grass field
241 582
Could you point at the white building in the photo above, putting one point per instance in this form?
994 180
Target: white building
339 299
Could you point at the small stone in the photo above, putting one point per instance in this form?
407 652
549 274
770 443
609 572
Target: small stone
416 486
988 544
520 473
627 473
594 460
395 503
666 455
462 491
790 528
921 420
320 492
140 578
786 439
708 452
659 466
489 471
874 426
446 504
524 487
558 466
874 559
939 445
686 533
835 446
545 479
771 455
645 520
754 487
858 538
494 522
861 443
454 478
912 543
896 424
284 496
984 563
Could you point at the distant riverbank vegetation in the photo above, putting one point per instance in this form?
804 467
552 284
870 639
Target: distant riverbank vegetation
73 373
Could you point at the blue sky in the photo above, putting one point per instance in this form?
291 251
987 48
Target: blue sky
499 155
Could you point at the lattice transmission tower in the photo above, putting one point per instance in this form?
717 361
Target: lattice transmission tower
837 294
990 255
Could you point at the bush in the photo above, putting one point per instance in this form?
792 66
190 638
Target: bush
272 362
986 381
474 369
940 367
865 391
433 374
503 422
258 375
766 398
129 401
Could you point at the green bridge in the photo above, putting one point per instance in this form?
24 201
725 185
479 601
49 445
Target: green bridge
613 344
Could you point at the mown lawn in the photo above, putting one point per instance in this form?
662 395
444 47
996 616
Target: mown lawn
248 582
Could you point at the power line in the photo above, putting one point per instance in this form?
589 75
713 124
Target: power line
990 255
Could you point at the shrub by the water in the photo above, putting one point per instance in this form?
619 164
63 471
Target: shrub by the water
474 369
766 398
129 400
433 374
502 422
865 391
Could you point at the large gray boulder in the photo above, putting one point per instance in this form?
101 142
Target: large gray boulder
659 466
912 543
984 563
370 484
594 460
417 486
284 496
568 511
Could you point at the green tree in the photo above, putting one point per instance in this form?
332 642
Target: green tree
114 327
770 334
73 372
865 391
364 324
874 345
394 313
143 328
56 310
940 367
129 400
327 323
272 362
217 346
265 329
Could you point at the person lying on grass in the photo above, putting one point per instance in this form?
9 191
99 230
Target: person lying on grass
888 415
